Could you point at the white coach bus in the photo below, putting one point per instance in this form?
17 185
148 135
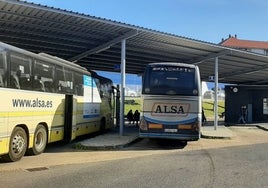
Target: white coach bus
171 102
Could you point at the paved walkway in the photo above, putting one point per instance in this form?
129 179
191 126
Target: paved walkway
219 132
113 140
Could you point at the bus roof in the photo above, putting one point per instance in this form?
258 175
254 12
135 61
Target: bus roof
173 64
45 57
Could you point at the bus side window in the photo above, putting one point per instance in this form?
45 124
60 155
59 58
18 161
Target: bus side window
68 75
59 80
2 83
25 83
20 70
49 87
78 84
38 84
15 79
1 80
43 76
64 80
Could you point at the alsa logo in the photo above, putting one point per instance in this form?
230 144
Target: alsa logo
171 109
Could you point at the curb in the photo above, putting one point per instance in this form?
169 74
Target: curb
261 127
216 137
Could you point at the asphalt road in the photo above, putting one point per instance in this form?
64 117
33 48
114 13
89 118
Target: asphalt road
239 162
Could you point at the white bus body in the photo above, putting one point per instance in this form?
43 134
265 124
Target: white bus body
171 102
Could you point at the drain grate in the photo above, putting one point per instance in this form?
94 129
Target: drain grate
37 169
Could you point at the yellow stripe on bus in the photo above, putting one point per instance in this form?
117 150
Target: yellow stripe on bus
30 113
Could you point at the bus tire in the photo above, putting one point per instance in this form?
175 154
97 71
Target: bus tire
40 140
17 145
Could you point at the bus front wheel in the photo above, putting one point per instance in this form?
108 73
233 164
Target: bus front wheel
40 141
17 145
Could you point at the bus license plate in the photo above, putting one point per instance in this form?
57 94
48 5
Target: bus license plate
171 130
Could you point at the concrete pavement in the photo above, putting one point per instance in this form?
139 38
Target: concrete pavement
208 130
112 139
223 132
220 132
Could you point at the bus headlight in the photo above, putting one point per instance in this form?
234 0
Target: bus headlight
143 124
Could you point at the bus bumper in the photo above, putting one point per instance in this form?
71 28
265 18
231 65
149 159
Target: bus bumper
184 137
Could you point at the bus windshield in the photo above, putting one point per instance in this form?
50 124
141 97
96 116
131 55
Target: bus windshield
170 80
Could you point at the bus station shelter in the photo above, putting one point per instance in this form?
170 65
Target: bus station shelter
106 45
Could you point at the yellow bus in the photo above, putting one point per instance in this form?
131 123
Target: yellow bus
46 99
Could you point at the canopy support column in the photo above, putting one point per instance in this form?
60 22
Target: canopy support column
216 94
123 85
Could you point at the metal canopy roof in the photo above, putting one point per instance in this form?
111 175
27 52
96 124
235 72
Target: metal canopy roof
95 43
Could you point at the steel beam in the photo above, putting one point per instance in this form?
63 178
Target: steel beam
104 46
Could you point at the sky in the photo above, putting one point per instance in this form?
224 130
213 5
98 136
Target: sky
205 20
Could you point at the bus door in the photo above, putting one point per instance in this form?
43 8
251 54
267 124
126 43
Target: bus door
69 118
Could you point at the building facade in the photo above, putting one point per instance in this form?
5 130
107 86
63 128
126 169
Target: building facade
260 47
252 97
